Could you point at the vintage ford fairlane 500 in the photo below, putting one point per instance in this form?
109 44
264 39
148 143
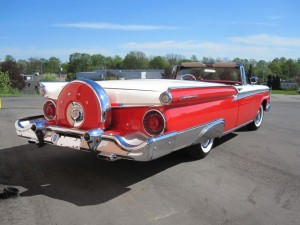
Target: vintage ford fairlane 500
146 119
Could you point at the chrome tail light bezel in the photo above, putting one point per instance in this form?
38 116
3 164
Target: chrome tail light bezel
163 123
48 101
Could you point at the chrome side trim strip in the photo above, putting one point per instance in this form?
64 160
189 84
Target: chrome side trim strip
213 85
246 94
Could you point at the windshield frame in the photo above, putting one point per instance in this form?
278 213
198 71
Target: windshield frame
227 75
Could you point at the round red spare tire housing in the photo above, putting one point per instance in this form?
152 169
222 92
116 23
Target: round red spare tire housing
83 104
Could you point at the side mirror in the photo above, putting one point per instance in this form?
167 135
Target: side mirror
253 80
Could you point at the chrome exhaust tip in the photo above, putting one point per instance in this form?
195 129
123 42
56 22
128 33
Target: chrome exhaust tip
107 157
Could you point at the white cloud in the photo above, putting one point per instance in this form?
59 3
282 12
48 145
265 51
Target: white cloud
262 46
174 45
111 26
193 47
258 47
267 40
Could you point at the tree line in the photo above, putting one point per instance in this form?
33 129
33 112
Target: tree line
285 69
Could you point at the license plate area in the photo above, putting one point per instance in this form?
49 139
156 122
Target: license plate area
66 141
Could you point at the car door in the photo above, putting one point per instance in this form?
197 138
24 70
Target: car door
247 102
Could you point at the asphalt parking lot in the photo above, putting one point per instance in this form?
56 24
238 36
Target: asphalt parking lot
248 178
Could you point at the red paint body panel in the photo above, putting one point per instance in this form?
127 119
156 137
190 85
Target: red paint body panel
128 120
209 104
249 106
182 118
200 95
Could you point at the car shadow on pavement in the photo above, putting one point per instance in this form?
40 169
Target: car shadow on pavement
75 176
225 138
78 177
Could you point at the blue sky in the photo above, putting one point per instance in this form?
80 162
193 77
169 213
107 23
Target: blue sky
227 29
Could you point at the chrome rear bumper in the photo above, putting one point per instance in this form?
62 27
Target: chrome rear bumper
135 146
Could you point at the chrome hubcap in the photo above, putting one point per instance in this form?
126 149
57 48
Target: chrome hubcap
76 114
258 117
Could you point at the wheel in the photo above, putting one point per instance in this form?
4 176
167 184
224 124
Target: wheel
256 123
201 150
188 77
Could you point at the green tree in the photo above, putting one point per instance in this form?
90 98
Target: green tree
237 60
52 65
194 58
4 83
23 65
136 60
116 63
249 73
79 62
269 81
261 70
9 58
13 70
275 82
291 68
98 61
207 59
275 67
71 76
174 59
35 66
49 77
157 63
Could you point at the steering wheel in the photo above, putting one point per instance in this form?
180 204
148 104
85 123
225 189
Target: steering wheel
188 76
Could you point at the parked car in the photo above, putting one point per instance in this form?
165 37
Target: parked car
146 119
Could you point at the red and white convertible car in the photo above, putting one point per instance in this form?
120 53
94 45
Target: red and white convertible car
146 119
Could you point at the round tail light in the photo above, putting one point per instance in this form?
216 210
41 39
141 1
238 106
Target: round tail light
154 122
49 110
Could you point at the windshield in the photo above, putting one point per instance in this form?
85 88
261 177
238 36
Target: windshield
212 74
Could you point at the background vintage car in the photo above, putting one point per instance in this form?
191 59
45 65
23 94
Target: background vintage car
146 119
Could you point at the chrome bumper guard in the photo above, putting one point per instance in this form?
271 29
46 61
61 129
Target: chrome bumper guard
135 146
